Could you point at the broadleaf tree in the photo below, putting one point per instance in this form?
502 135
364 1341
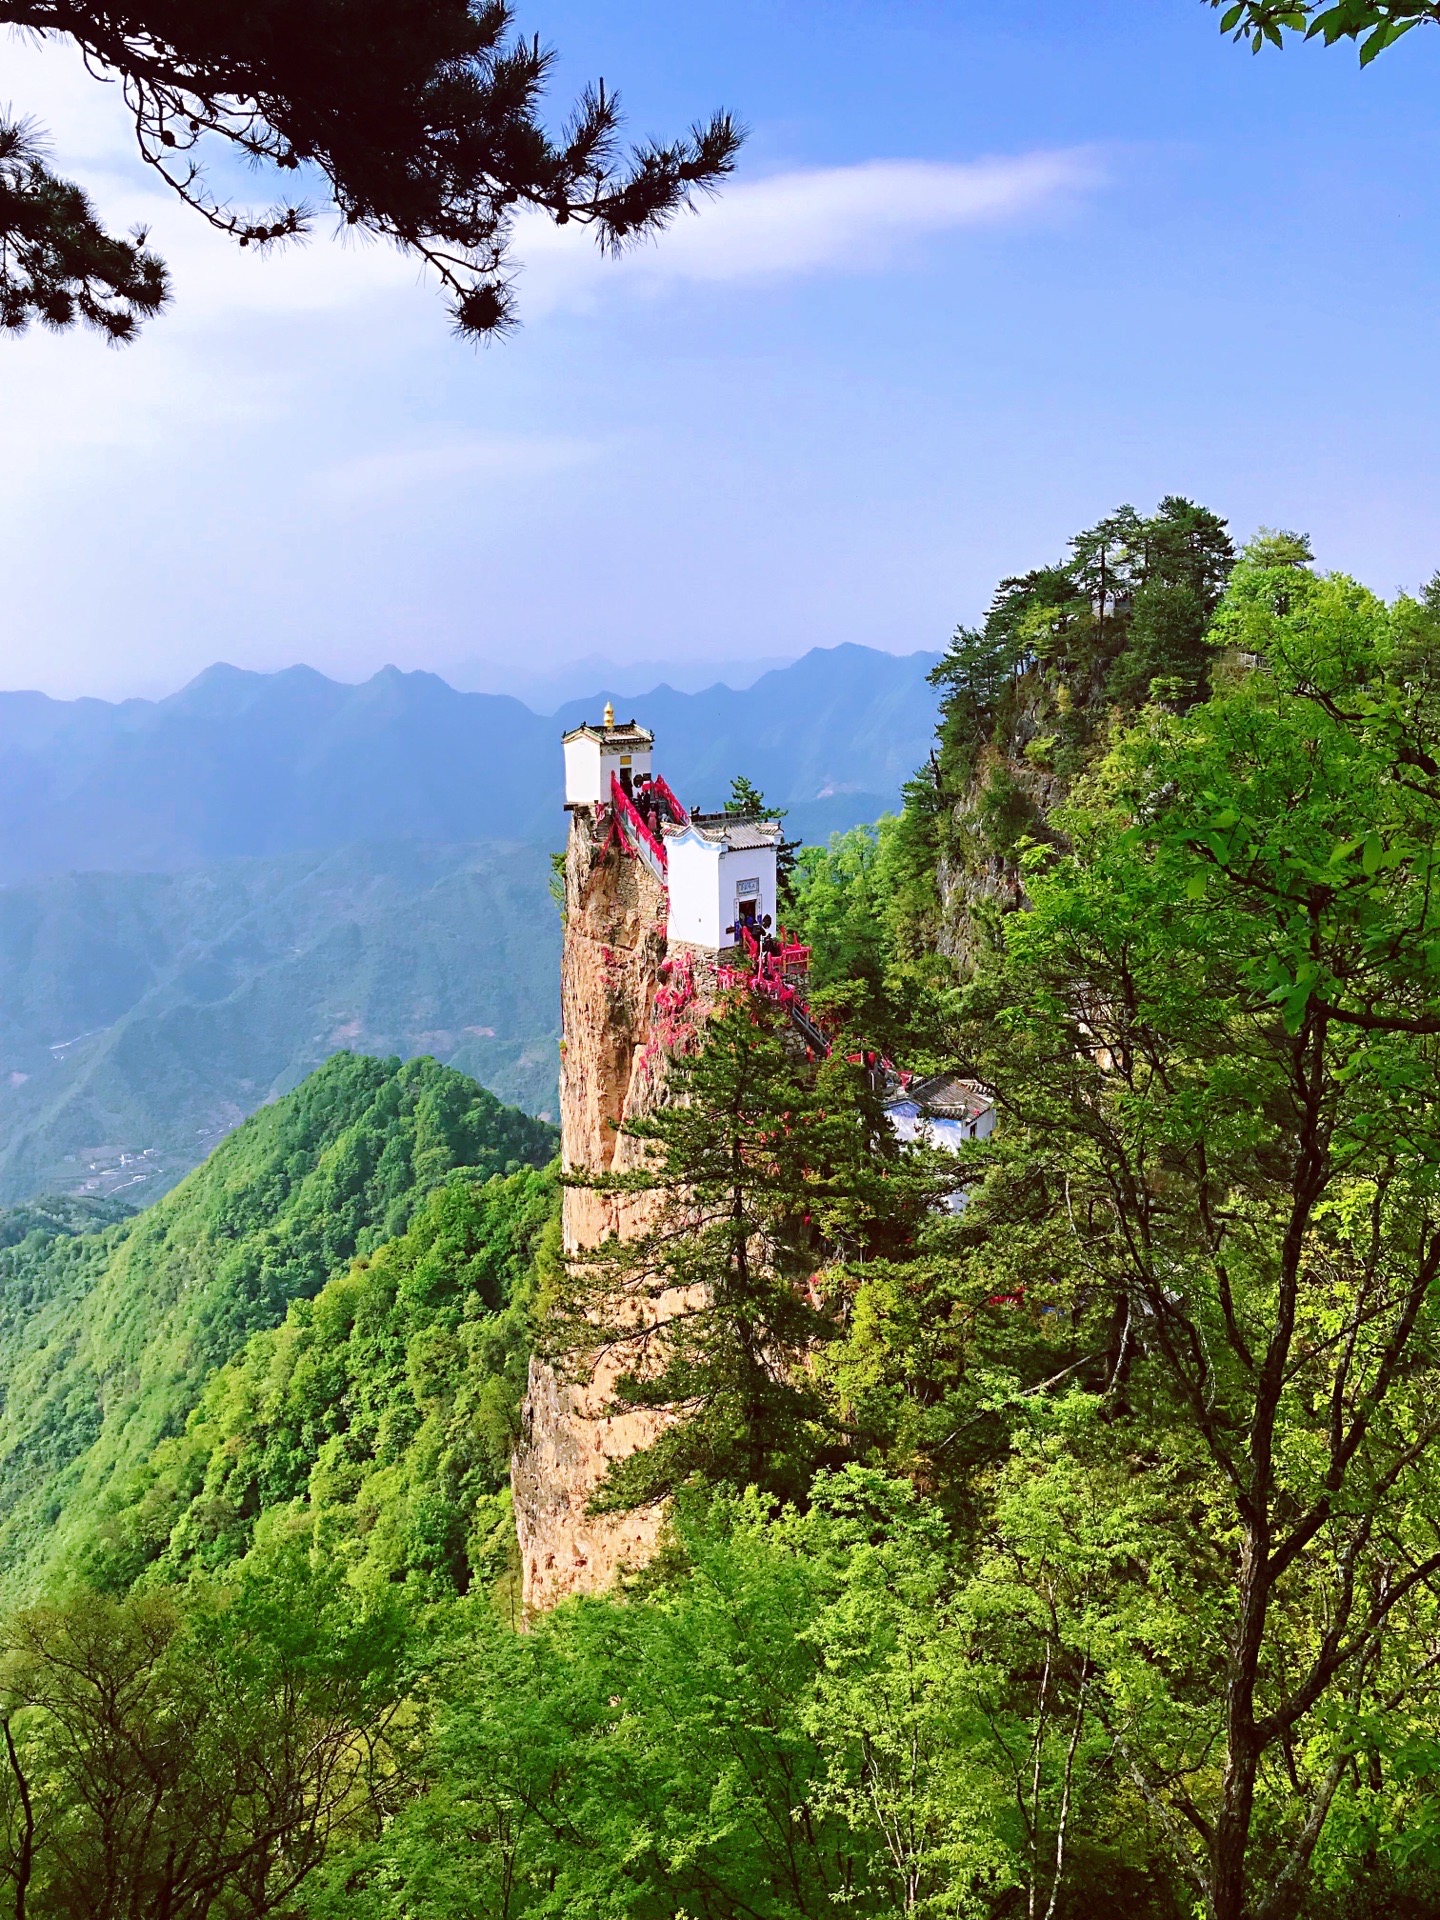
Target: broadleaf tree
196 1751
1215 1036
1374 24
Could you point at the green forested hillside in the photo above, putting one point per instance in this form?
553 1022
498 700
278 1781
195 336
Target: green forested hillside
57 1213
107 1339
142 1015
375 1423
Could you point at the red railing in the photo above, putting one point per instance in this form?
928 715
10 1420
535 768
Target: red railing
680 815
777 971
626 810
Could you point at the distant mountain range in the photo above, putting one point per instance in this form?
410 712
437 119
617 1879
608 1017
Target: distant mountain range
203 897
142 1016
255 764
547 688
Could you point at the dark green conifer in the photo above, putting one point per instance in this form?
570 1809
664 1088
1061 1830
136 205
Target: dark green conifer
749 803
419 119
764 1169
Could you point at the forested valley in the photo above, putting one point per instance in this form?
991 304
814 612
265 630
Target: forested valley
1071 1548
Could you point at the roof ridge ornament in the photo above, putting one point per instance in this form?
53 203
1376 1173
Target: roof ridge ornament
609 713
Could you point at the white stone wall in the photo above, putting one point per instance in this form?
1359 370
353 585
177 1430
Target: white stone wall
706 883
755 864
694 879
589 765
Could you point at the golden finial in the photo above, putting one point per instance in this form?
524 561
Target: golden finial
609 714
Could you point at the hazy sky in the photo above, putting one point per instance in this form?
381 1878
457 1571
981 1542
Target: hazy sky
991 267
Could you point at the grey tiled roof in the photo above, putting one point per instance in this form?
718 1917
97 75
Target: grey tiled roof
626 734
949 1097
734 832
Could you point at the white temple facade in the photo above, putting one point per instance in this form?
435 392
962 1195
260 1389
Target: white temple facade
722 875
594 753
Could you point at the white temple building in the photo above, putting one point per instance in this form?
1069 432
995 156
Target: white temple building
722 871
593 754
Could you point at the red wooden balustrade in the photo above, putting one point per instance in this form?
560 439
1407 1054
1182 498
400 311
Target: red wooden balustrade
777 973
630 818
679 814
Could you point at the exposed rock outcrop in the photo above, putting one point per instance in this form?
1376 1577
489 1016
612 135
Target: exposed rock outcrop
1011 787
619 1025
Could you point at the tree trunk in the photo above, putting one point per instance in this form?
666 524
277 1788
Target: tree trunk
1228 1889
25 1852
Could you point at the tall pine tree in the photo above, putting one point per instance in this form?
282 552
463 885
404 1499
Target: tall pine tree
765 1170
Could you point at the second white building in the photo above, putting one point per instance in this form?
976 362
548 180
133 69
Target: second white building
722 873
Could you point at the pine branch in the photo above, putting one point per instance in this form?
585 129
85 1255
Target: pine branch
58 264
422 117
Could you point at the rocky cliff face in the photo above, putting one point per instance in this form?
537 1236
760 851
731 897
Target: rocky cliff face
1011 786
977 875
617 1037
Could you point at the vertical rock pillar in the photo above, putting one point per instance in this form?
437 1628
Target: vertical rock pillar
614 948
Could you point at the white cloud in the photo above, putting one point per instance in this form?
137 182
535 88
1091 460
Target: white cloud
247 334
807 221
380 476
225 465
855 219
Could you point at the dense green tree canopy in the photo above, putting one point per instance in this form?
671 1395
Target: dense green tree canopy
108 1339
375 1423
1066 654
1213 1032
1170 1379
421 120
195 1754
1125 618
53 1214
802 1718
868 907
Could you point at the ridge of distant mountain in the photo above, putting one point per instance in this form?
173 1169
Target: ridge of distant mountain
240 763
549 688
204 896
143 1015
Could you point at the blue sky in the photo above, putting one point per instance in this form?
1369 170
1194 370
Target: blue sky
989 270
